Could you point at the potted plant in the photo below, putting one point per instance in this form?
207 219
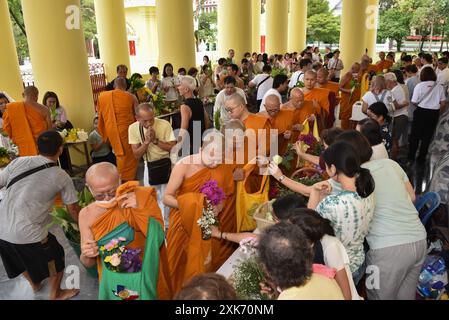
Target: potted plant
71 230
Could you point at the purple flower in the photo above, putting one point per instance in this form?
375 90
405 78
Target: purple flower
213 192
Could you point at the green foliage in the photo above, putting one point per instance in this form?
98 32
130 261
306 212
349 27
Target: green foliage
278 71
217 120
315 7
207 32
323 27
247 276
88 18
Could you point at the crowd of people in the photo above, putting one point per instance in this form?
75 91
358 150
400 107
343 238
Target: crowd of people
362 216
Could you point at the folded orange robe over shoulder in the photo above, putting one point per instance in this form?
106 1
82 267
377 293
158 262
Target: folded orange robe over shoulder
115 115
256 123
24 124
138 219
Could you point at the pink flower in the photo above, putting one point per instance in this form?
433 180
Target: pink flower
114 242
115 260
121 239
213 192
109 246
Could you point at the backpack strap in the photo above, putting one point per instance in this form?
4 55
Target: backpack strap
30 172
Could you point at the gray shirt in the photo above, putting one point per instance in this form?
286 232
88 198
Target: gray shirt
24 211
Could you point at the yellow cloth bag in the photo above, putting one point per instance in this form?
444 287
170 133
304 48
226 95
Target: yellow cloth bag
249 196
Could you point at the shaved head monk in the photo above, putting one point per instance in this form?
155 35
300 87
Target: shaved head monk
237 110
188 253
25 121
319 97
281 120
333 87
114 205
115 115
349 95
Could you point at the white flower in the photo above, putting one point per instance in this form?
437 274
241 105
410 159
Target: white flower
82 135
63 133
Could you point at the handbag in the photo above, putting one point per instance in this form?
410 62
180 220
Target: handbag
140 285
249 197
158 171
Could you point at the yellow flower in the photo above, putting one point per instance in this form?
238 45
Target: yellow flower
154 97
108 259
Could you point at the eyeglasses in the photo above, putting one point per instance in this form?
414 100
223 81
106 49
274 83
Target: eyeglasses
229 110
103 196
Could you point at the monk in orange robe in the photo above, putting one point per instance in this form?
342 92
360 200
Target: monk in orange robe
317 95
188 253
255 144
280 120
115 115
127 203
334 93
349 95
25 121
383 64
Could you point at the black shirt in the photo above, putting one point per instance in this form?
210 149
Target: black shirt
197 108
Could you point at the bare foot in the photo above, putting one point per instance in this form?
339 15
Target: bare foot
65 294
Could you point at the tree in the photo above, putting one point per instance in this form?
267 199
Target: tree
207 31
323 27
315 7
394 24
89 21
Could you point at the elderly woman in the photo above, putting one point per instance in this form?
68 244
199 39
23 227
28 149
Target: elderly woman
193 115
4 100
378 93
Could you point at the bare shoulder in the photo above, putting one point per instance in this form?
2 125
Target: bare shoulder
89 214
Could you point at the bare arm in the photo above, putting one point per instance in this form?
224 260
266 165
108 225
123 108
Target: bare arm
233 237
343 82
166 146
186 114
343 282
289 183
207 123
89 248
364 107
139 149
176 179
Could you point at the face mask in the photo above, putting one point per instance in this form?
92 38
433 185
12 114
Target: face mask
107 204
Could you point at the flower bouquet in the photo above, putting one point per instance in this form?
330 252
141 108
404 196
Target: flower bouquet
8 151
214 197
74 135
355 84
158 101
119 258
248 273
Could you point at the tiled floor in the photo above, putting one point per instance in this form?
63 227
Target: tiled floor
19 288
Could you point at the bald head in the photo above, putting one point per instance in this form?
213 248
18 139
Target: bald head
102 175
31 93
272 105
297 97
355 67
322 76
310 79
236 98
120 84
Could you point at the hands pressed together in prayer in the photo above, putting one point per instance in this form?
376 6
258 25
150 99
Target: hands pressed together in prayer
150 135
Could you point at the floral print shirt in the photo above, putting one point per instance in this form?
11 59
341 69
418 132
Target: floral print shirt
386 136
350 216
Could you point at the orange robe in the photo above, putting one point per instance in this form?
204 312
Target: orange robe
188 254
24 124
383 64
322 97
255 122
332 86
137 218
346 105
282 122
115 115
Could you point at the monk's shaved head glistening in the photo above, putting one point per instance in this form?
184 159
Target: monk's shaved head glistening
297 93
102 174
31 93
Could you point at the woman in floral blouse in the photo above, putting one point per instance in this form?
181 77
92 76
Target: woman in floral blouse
350 210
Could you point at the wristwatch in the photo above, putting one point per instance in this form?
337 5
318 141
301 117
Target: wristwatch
156 141
281 178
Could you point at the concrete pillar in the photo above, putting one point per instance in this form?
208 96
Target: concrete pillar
277 26
297 26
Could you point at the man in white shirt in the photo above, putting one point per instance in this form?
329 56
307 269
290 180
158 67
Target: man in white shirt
298 76
400 115
262 82
335 66
443 76
229 89
280 86
427 62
